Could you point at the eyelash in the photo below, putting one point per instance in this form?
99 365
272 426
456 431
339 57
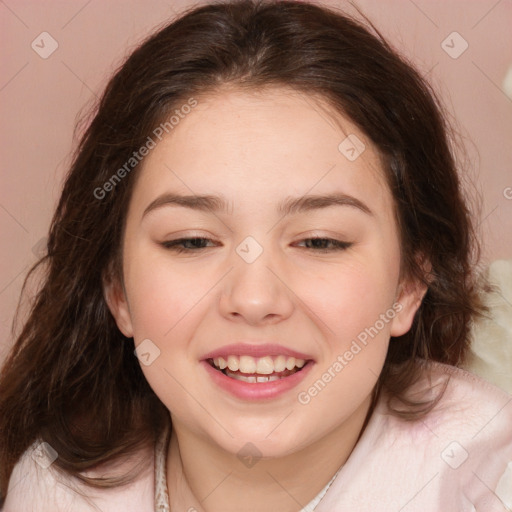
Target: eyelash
174 245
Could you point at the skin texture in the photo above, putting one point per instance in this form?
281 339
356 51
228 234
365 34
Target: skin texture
257 149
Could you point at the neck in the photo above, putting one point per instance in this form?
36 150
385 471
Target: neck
203 477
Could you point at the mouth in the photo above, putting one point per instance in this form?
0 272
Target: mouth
257 370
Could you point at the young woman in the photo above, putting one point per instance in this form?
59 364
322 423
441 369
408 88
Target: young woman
258 286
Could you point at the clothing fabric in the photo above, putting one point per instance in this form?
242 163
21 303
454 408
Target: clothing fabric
458 458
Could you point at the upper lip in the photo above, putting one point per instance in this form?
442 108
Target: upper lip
255 350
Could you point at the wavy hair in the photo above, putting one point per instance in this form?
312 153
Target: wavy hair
71 378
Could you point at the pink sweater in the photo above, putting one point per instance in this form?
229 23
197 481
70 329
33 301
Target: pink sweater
456 459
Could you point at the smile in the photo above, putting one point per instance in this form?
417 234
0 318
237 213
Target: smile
257 378
257 370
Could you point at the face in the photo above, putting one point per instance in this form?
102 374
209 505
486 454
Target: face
261 266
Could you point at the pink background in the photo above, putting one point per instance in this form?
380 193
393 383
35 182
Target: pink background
40 100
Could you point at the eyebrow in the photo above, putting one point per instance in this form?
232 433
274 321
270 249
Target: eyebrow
289 206
316 202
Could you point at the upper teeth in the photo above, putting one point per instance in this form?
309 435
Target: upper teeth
264 365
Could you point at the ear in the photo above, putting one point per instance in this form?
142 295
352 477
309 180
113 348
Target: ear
410 293
115 297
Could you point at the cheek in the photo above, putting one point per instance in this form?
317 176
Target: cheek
356 310
165 306
159 295
353 298
355 306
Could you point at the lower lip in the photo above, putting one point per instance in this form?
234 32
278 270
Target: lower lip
256 390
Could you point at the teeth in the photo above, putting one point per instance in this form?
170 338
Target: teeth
262 366
290 363
233 363
251 378
265 365
280 364
247 364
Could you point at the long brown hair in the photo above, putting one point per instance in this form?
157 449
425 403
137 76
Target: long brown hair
71 378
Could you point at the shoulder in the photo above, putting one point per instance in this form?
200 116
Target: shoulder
457 457
470 408
37 486
469 405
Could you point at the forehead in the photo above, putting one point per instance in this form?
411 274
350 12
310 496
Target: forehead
265 144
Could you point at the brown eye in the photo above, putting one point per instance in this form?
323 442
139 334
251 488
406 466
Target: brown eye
186 244
325 244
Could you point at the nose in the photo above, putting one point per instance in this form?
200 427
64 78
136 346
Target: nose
256 293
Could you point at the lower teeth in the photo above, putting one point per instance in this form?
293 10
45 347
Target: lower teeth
253 378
